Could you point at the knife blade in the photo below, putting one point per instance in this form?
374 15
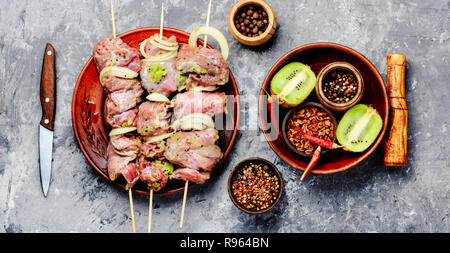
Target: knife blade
48 101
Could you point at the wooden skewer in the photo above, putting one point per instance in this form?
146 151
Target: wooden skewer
150 203
207 23
184 203
112 19
130 193
205 42
162 21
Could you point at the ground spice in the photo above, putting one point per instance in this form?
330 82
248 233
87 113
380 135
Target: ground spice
340 86
256 187
312 120
251 20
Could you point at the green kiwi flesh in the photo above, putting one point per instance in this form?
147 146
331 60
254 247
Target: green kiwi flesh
293 83
358 128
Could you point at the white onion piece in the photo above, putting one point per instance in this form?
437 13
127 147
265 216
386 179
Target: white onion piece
161 57
122 130
213 32
204 88
159 138
142 48
158 97
129 153
161 46
196 121
117 71
165 42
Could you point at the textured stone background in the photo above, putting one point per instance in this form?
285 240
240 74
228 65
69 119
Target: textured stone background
367 198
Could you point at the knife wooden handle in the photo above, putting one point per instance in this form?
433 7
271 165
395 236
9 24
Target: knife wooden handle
48 88
396 143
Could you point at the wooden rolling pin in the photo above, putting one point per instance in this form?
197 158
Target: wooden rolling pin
396 140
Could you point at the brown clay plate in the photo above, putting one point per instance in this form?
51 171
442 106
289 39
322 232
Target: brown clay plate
91 132
317 56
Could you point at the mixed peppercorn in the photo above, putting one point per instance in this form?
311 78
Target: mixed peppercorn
313 121
251 20
255 187
340 86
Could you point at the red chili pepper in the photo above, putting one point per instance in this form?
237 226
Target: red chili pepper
319 141
313 162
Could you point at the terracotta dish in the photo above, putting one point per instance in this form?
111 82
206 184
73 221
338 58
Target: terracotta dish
317 56
91 131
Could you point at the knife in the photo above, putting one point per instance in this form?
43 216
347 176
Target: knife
48 102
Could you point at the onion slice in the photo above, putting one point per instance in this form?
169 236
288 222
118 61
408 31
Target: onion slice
161 46
204 88
156 41
213 32
165 42
159 138
121 130
129 153
117 71
161 57
142 48
195 121
158 97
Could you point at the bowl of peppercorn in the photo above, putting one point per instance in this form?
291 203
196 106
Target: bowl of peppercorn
339 86
255 185
252 22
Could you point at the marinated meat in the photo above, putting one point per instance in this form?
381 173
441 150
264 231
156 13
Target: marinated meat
152 175
125 144
124 119
195 150
115 52
122 165
167 84
191 175
153 118
210 103
205 66
152 150
123 100
113 83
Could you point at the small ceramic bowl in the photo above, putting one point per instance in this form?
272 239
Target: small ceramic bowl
239 167
324 76
288 117
253 41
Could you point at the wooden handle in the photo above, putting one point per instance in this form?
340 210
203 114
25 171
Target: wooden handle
48 88
396 140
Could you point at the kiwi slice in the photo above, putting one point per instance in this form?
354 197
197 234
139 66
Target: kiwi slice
358 128
293 83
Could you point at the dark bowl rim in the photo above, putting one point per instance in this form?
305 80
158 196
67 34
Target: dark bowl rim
289 55
293 110
271 166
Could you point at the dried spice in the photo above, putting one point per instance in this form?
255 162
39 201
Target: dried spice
251 20
256 187
340 86
311 120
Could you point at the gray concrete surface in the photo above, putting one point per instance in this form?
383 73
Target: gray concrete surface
367 198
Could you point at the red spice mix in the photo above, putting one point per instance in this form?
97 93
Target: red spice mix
311 120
